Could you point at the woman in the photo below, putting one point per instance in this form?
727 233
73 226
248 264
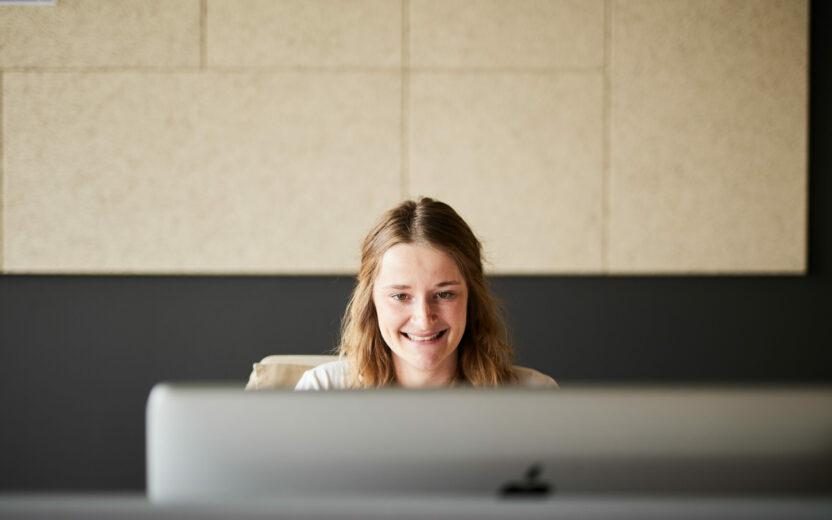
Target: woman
421 314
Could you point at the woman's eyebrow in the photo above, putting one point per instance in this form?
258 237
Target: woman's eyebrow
400 287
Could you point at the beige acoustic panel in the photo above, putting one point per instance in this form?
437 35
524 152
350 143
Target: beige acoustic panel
101 33
497 33
520 157
304 33
708 136
196 173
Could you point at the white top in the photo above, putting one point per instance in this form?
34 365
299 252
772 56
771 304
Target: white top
333 376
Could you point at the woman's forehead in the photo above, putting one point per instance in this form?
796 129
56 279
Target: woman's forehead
417 264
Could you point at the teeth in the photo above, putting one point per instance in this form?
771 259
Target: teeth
423 338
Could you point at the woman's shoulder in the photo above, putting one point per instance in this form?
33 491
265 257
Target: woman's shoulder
327 376
532 378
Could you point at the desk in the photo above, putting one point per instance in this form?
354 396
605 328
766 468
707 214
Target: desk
136 506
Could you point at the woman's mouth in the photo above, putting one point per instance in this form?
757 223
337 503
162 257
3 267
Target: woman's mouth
424 338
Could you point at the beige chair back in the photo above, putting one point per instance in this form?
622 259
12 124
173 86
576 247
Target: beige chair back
279 371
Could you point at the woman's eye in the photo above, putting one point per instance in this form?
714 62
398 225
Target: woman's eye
445 295
400 297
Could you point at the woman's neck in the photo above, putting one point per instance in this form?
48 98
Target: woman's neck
409 377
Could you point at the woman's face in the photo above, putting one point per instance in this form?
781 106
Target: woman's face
421 301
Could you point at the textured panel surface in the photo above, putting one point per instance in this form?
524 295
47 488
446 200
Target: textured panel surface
496 33
311 33
188 173
520 157
708 137
100 33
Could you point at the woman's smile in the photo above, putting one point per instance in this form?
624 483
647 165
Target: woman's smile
424 338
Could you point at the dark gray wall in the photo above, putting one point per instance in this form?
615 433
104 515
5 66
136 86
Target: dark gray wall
78 354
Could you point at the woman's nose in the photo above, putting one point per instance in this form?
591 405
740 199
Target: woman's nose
423 314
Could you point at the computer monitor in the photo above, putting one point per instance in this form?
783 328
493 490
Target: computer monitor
217 443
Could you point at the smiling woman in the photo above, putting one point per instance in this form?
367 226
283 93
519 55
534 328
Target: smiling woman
421 314
421 301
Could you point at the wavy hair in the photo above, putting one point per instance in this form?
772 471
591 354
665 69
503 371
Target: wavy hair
484 353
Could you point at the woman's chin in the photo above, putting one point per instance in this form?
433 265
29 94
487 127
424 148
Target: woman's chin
430 362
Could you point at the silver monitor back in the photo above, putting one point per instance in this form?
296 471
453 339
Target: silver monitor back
217 443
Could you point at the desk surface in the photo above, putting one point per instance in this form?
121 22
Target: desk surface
136 506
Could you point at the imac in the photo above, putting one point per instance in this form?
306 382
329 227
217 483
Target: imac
208 444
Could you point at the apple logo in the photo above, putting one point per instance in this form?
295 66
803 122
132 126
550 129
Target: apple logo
530 486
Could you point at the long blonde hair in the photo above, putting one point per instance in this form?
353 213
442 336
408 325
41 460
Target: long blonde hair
485 354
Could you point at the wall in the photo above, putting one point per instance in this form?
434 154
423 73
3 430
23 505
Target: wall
588 136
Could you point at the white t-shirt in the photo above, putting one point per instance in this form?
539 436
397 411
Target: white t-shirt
328 376
333 376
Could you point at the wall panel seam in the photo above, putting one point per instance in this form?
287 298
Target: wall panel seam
508 70
606 137
315 70
404 174
203 33
198 70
